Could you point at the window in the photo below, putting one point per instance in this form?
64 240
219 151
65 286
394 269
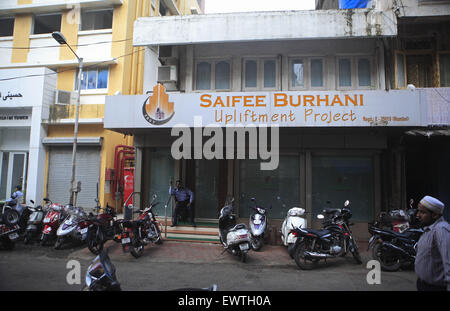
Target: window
354 72
6 27
213 75
46 23
13 168
444 67
92 20
345 72
260 73
297 73
316 73
93 78
400 72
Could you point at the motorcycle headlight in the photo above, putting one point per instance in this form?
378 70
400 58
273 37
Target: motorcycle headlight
258 217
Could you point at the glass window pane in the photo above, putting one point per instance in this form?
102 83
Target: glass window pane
17 171
83 80
4 176
92 79
6 27
316 73
400 70
364 72
265 186
337 179
345 72
444 66
102 78
297 73
269 73
222 76
47 23
250 73
203 78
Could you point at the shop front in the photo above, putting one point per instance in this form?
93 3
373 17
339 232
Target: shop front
325 147
24 105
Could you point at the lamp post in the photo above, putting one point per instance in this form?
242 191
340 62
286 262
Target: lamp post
59 37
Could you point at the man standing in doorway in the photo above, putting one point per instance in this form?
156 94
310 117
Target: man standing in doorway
184 198
432 264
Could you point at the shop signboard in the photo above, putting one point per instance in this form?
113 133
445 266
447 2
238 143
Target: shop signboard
286 109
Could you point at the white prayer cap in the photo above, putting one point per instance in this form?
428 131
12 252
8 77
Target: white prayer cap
432 204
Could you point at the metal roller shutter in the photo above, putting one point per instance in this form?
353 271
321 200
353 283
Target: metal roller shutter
87 171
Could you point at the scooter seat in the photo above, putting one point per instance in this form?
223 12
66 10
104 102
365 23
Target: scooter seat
320 232
238 227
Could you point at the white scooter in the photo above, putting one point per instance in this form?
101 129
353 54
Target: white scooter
258 225
235 238
294 219
76 226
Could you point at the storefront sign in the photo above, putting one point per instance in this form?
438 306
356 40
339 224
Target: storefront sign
286 109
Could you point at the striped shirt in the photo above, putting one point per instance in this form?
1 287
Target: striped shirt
432 264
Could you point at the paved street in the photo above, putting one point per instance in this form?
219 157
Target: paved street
177 264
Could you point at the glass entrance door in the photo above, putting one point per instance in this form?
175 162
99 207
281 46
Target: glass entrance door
206 195
13 167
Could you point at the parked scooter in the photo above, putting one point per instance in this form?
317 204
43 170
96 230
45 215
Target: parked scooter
258 225
52 220
235 238
334 240
35 223
294 219
75 227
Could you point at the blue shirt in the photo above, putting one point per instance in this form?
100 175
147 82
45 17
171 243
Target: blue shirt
182 194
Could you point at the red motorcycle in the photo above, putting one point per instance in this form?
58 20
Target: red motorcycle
51 221
138 233
102 228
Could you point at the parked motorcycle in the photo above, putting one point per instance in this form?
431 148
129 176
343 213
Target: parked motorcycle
75 227
9 215
9 234
103 228
294 219
398 220
394 249
235 238
334 240
54 216
142 231
258 225
35 223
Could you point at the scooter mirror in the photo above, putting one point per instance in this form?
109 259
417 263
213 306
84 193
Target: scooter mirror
347 203
32 201
320 216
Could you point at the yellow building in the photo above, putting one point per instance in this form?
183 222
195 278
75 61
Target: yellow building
101 33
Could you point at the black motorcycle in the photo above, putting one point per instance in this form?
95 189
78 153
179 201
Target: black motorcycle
393 249
334 240
35 223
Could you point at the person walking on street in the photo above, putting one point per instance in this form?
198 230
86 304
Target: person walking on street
184 198
432 264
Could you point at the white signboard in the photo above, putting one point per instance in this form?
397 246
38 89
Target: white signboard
287 109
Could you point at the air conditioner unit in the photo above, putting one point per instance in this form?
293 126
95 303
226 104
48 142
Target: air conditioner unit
65 97
167 73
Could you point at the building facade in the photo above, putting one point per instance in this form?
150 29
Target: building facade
335 92
32 62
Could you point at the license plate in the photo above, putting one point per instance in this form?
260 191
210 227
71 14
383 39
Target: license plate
126 240
83 231
243 247
13 236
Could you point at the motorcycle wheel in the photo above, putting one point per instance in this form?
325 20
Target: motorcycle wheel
388 262
300 259
355 252
136 247
27 237
244 256
95 241
159 240
58 243
291 249
256 244
10 217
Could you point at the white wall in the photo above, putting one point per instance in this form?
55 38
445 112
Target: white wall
5 50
